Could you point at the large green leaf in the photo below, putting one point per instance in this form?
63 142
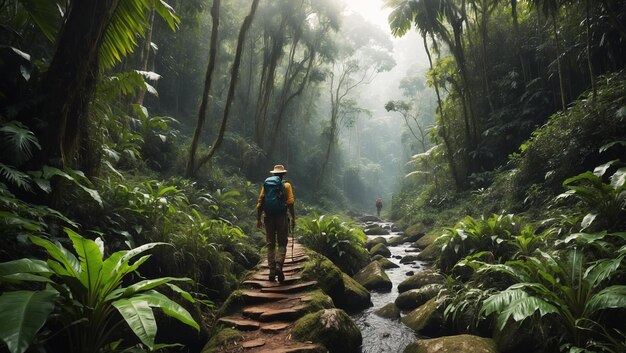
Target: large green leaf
610 297
150 284
90 257
59 253
23 266
139 317
498 302
169 307
602 270
22 314
523 308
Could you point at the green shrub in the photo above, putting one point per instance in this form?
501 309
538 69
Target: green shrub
338 240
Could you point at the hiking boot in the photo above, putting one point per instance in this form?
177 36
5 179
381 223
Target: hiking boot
272 275
279 274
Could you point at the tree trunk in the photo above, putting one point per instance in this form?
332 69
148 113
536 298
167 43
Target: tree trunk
558 60
484 62
518 49
70 82
145 54
215 14
245 26
594 89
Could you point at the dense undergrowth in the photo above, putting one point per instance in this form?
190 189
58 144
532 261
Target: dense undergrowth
539 253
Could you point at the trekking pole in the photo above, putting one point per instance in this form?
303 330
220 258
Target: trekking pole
293 238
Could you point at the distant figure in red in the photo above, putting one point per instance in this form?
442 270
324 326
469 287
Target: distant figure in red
379 205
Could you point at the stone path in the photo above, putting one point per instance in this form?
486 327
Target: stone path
271 309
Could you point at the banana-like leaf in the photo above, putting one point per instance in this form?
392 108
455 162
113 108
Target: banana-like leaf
150 284
618 179
22 314
498 302
183 293
612 297
24 266
169 307
60 254
602 270
523 308
139 317
90 257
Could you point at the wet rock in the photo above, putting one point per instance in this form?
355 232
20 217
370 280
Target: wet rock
430 253
377 257
380 249
378 240
419 280
373 277
426 240
397 257
408 259
426 318
332 328
389 311
222 338
355 297
456 344
386 263
395 228
416 231
410 273
376 231
369 219
414 298
395 241
328 276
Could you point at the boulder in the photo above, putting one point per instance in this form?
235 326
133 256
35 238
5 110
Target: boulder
365 219
377 257
425 319
414 298
373 277
332 328
430 253
378 240
416 231
223 338
389 311
427 240
355 297
328 276
456 344
420 279
377 231
380 249
395 241
386 263
408 258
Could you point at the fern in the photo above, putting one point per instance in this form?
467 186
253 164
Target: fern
19 141
15 177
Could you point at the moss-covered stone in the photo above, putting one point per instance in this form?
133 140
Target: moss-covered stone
373 277
386 263
355 297
430 253
415 231
332 328
395 241
389 311
233 304
377 257
425 319
427 239
377 231
414 298
222 338
419 280
408 259
378 240
318 301
380 249
456 344
328 276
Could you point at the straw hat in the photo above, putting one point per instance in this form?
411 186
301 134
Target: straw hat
279 169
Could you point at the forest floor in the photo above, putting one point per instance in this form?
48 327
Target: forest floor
272 308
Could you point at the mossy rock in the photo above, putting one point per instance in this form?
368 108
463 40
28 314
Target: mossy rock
414 298
380 249
328 276
377 231
415 231
408 258
332 328
373 277
425 319
389 311
430 253
377 257
233 304
419 280
223 337
427 239
456 344
395 241
378 240
386 263
355 297
319 301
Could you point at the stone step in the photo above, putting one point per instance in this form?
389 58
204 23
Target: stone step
255 297
290 260
240 323
267 313
289 288
263 278
274 327
253 343
286 269
293 348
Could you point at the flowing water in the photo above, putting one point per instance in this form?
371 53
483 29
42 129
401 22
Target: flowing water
382 335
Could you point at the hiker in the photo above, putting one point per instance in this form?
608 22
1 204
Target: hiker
275 199
379 205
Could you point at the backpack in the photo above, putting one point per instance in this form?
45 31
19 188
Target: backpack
274 196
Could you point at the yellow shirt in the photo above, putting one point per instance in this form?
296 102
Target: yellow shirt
288 190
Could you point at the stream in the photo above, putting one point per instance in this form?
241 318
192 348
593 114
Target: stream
382 335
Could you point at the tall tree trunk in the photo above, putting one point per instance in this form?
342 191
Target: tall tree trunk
484 62
558 60
444 133
518 49
145 54
245 26
594 89
70 82
208 78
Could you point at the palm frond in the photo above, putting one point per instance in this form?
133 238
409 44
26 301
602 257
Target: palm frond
16 138
14 176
